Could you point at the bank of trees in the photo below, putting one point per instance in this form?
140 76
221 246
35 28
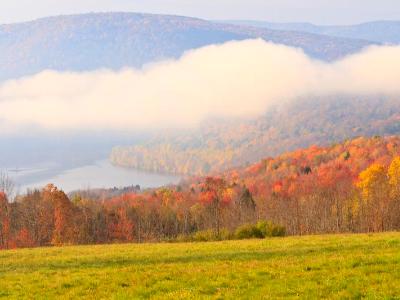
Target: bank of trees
348 187
218 145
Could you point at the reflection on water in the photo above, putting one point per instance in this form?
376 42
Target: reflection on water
99 175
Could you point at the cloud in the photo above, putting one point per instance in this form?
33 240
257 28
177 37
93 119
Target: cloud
234 79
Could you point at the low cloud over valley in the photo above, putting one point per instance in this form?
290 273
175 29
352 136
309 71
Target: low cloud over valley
236 79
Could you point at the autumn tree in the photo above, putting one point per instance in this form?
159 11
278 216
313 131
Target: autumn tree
24 239
6 184
394 182
4 221
394 178
215 195
374 192
62 208
245 206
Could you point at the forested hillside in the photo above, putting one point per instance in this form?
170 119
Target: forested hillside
119 40
223 144
348 187
379 31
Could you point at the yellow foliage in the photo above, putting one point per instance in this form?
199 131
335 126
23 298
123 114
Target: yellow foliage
394 172
227 194
394 175
372 180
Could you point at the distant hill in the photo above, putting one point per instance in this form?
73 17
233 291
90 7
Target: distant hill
223 144
117 40
378 31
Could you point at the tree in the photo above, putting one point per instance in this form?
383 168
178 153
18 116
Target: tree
63 231
374 190
394 183
394 177
245 206
215 195
4 221
24 239
6 185
371 181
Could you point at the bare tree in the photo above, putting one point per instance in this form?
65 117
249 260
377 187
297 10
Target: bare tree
6 184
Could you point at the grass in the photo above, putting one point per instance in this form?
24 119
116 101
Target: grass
330 266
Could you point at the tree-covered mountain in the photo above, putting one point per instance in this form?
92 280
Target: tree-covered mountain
118 40
218 145
378 31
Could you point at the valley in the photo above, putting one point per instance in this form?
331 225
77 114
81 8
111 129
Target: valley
199 149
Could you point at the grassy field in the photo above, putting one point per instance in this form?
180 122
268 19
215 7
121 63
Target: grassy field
331 266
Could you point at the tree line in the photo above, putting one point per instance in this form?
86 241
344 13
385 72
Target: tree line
349 187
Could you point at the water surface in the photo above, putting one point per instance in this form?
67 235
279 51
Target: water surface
101 174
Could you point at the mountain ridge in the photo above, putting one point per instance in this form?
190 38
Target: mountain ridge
93 41
382 31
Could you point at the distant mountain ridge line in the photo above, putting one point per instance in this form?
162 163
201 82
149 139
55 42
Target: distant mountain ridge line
116 40
384 31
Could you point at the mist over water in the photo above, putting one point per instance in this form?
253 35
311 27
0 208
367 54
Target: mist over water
100 174
36 159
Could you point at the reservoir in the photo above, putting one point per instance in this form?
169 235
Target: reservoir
101 174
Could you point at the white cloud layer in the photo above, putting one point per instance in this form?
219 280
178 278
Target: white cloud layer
233 79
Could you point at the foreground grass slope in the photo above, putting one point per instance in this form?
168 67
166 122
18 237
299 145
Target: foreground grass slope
336 266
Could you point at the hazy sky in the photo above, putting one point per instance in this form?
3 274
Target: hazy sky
315 11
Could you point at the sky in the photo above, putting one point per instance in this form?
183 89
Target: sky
322 12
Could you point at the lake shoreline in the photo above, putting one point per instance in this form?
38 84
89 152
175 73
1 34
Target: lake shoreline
100 174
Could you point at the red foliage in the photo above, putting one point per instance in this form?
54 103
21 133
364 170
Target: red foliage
290 188
24 239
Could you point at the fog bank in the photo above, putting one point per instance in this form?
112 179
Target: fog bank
231 80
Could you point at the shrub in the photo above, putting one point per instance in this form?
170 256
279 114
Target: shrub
203 236
269 229
211 235
278 230
182 238
225 234
248 231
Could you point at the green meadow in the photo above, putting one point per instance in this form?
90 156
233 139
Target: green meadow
328 266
